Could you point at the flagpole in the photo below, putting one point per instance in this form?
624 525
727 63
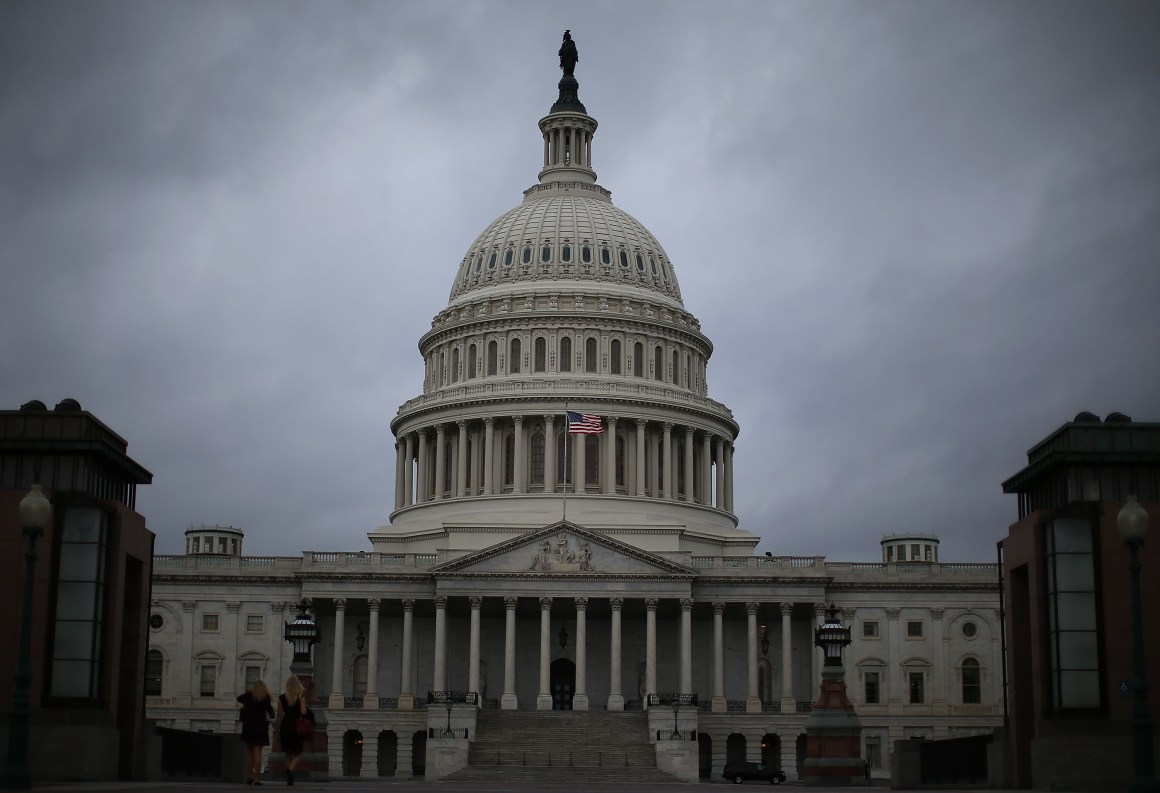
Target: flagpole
567 436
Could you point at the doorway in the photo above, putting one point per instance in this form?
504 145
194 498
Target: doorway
563 683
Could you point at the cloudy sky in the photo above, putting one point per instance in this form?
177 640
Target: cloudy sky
921 235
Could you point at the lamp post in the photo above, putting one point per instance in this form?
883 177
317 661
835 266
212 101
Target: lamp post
447 733
1133 524
676 736
35 516
763 637
834 743
302 633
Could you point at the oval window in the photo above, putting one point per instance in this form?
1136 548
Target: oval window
491 261
527 254
507 258
605 256
156 622
640 262
566 253
478 262
546 253
970 629
624 258
653 263
586 254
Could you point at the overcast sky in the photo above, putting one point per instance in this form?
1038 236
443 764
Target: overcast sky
920 235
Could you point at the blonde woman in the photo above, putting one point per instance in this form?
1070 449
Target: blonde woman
256 714
293 710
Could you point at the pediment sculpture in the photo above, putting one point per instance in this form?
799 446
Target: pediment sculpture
562 558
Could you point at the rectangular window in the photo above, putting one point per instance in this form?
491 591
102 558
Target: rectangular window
916 688
902 553
154 668
255 623
889 553
874 751
1071 618
252 674
915 551
209 623
871 692
208 684
913 629
80 605
869 629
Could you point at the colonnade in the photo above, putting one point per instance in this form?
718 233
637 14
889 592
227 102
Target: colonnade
580 700
512 454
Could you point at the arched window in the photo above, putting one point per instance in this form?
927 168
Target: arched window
565 354
514 357
620 461
491 261
638 360
605 256
472 361
591 459
527 255
455 365
590 354
624 258
538 458
507 258
509 460
614 356
442 367
566 253
586 254
640 263
541 357
972 682
154 669
546 253
688 366
658 363
676 368
492 357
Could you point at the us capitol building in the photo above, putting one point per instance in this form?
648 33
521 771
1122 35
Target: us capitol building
564 582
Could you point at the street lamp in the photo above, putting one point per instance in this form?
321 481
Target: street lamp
447 733
676 736
1133 524
35 517
832 637
763 637
302 633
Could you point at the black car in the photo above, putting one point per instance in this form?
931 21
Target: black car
742 772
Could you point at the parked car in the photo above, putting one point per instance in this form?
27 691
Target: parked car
743 772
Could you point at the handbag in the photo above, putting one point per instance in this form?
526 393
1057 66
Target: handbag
305 726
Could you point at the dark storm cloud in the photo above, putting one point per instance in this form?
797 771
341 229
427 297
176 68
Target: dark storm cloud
921 236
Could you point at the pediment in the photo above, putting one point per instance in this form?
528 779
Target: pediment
564 549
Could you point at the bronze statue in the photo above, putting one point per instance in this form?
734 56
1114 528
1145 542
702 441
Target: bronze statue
568 55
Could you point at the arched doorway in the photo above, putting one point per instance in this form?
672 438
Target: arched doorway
563 682
419 753
735 748
704 756
771 750
388 752
352 750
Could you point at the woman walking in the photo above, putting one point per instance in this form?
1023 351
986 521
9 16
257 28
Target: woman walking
292 729
256 714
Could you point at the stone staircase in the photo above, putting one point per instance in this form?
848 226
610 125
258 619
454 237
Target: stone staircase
577 746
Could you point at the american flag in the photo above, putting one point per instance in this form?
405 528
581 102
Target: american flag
584 423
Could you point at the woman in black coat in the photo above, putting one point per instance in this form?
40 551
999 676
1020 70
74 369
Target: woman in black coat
292 707
256 714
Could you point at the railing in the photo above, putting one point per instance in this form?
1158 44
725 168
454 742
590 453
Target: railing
352 703
452 697
388 703
679 700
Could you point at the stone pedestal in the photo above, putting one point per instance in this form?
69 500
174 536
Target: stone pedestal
834 753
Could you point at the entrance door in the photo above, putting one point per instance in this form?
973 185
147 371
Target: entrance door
563 680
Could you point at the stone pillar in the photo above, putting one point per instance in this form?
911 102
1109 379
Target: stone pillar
720 447
580 696
667 456
688 467
476 603
789 759
229 673
615 697
544 698
938 672
406 697
400 470
337 664
488 454
686 646
719 704
519 474
509 701
788 701
729 477
409 472
610 456
639 486
549 454
439 678
461 461
654 472
706 468
440 461
650 644
423 467
370 755
752 701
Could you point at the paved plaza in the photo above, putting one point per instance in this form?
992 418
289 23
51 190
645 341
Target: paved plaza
554 783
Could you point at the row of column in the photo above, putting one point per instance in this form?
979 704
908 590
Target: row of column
567 145
509 700
422 466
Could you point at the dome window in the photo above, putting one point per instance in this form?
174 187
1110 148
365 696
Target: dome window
653 263
566 253
491 261
624 258
478 262
605 256
640 262
527 257
507 258
546 253
586 254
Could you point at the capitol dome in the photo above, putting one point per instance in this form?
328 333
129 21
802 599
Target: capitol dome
565 305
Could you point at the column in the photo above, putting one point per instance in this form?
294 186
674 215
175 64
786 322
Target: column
488 454
549 454
938 673
686 646
639 487
650 644
476 603
400 470
719 704
371 697
610 456
336 668
439 678
580 696
788 701
544 698
720 448
729 478
688 467
667 456
461 461
421 496
406 697
440 461
615 698
654 472
706 468
409 472
578 465
752 702
509 701
519 474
